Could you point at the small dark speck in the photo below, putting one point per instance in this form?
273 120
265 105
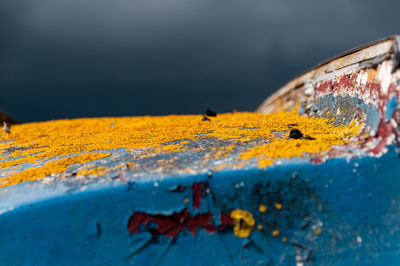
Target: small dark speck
309 138
209 112
305 225
130 185
295 134
4 117
210 174
98 229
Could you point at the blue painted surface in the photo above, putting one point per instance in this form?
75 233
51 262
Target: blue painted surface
391 106
343 211
355 202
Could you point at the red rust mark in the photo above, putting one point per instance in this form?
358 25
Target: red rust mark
171 225
198 190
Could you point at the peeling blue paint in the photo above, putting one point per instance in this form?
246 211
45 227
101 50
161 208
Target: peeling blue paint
326 195
391 106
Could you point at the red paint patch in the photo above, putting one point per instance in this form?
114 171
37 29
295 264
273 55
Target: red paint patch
345 82
122 177
171 225
325 87
317 160
385 133
198 190
225 220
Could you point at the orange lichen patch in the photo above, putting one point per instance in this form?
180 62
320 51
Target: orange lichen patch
264 162
326 135
262 208
54 166
101 170
252 133
278 206
244 223
125 165
317 231
275 232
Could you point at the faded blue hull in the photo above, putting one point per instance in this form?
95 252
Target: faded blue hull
356 207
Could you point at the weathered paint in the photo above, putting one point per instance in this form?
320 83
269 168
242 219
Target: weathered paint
354 204
235 190
85 148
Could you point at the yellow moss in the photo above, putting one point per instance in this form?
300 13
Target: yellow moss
244 223
35 143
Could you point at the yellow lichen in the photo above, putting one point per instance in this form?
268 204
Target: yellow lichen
262 208
244 223
265 162
278 206
172 148
276 232
52 167
317 231
43 145
101 170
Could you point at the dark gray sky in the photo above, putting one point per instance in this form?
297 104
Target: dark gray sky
79 58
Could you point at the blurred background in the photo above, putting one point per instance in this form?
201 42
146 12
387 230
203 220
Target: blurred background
84 58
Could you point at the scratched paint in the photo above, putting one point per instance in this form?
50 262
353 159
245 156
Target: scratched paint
367 98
